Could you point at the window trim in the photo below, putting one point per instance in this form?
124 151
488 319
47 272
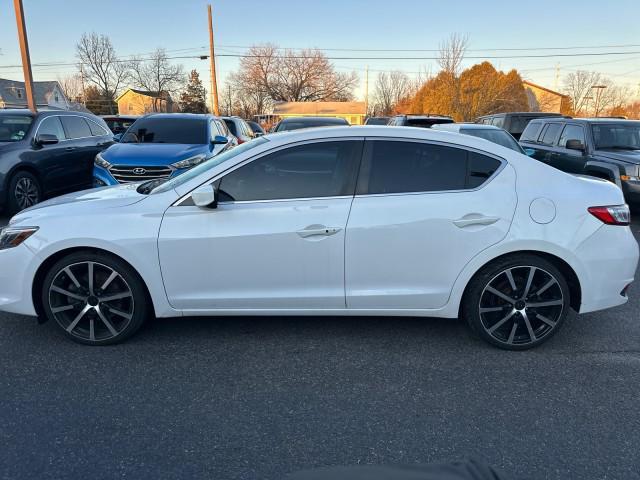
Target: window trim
364 163
185 199
35 135
543 132
568 124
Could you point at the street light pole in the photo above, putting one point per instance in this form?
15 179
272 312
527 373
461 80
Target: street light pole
24 52
598 89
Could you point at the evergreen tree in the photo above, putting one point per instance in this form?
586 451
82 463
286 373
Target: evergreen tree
193 99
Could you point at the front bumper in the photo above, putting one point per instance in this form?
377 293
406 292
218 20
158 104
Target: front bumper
610 259
102 177
19 266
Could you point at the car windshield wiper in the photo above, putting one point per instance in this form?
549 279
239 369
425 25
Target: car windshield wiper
147 187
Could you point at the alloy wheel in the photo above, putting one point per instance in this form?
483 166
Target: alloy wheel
91 301
26 193
521 305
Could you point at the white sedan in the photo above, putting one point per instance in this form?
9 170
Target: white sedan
335 221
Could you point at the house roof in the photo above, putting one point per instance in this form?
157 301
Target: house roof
548 90
146 93
40 91
319 108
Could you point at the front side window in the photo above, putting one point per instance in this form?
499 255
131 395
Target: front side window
550 133
52 126
231 126
75 127
571 132
215 130
187 131
13 128
617 136
406 167
323 169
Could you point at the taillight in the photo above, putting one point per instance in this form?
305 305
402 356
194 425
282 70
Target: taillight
613 215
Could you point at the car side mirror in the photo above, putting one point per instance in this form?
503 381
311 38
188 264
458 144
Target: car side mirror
46 139
574 145
205 196
258 134
529 152
220 140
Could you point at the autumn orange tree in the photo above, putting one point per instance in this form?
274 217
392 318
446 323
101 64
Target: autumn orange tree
478 90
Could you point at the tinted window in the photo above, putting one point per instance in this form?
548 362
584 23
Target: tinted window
396 167
496 136
624 136
75 127
315 170
479 169
518 124
550 133
571 132
13 128
531 132
52 126
297 124
231 126
118 125
497 121
426 122
179 130
96 130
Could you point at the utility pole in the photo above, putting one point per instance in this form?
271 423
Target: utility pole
24 52
556 81
214 86
84 98
366 90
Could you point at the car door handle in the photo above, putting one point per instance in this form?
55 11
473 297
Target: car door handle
69 149
318 230
475 220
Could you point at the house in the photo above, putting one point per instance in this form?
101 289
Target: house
352 112
542 99
139 102
48 95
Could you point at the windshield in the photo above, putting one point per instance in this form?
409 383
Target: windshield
617 136
496 136
208 165
14 128
191 131
297 125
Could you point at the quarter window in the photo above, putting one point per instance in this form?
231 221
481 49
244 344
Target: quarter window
96 130
550 133
403 167
323 169
75 127
571 132
51 126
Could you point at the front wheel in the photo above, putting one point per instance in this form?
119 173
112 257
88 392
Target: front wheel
24 192
518 302
96 299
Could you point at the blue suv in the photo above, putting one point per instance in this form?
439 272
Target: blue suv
160 146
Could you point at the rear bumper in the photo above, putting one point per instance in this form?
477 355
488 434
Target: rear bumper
610 259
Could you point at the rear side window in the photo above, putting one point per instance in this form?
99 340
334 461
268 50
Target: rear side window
497 121
404 167
75 127
531 132
550 133
518 124
96 130
52 126
571 132
323 169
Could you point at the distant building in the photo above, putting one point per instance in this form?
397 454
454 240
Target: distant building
48 95
139 102
352 112
542 99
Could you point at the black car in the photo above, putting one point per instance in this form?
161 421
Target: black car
601 147
255 127
377 121
514 122
296 123
46 153
423 121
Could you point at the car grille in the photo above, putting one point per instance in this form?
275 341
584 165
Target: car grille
129 174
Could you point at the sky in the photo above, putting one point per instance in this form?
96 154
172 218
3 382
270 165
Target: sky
345 28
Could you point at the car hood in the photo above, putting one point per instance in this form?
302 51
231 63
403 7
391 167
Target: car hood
95 199
629 156
151 153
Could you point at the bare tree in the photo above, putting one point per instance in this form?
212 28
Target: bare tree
452 53
100 64
591 93
72 87
157 74
390 89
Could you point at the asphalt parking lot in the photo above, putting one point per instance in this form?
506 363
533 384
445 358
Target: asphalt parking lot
256 398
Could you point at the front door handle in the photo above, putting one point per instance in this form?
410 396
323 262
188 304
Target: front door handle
468 220
69 149
318 230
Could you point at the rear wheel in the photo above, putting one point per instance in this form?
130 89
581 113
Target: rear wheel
96 299
24 192
518 302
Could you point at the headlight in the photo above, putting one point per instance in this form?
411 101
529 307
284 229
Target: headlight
13 236
189 162
101 162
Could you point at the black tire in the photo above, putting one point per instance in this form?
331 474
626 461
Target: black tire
24 191
115 303
526 322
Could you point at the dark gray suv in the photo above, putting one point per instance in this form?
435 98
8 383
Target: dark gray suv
47 153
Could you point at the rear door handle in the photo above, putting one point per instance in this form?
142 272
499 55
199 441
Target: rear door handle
477 220
69 149
318 230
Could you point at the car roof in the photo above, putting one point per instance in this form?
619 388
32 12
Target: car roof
524 114
426 115
179 115
454 127
314 119
587 120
